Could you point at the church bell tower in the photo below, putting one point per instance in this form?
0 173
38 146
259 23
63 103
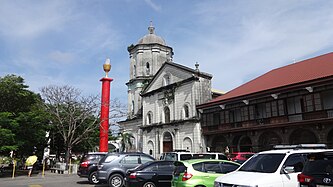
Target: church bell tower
146 58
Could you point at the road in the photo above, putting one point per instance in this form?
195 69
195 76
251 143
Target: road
49 180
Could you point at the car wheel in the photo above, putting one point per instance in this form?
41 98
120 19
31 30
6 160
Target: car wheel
93 178
116 180
149 184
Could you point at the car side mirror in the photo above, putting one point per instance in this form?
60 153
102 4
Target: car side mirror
288 169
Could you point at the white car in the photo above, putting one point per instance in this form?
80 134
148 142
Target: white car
275 168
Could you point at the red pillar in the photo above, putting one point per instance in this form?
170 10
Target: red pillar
105 104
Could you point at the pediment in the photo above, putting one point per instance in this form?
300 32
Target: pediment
167 75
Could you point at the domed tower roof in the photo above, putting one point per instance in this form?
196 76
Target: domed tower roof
151 37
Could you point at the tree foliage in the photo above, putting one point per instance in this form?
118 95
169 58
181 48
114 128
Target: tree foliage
126 139
73 116
23 122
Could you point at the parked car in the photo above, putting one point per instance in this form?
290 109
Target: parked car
200 172
151 174
240 157
88 166
112 168
274 168
177 156
318 170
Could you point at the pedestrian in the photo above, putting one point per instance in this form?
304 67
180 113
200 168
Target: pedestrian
29 163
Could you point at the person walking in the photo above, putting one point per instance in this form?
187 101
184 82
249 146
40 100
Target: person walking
29 163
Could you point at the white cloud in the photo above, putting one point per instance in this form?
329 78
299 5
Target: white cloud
30 20
235 41
239 41
153 5
61 57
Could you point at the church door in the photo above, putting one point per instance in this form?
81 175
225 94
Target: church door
167 142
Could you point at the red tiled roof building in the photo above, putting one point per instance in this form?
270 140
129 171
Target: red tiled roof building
288 105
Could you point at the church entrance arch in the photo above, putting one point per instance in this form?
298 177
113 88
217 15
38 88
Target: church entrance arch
167 142
187 144
268 139
150 148
302 136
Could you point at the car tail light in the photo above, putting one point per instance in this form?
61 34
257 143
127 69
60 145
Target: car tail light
186 176
304 178
84 164
132 176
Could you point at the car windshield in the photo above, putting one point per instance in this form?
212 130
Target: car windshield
170 156
263 163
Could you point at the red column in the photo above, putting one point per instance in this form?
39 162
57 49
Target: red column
105 104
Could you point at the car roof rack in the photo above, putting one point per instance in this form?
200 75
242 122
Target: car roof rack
301 146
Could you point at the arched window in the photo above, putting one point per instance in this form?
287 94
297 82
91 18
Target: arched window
134 71
186 111
147 68
149 118
132 107
166 115
166 80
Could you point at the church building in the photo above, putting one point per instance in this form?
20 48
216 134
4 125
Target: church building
162 99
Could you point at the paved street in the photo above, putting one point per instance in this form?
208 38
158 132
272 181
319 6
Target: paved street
50 180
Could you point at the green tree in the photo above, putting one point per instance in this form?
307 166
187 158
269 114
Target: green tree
74 116
23 122
126 139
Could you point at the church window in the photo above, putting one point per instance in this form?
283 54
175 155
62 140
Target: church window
132 107
149 118
134 70
147 68
166 115
186 111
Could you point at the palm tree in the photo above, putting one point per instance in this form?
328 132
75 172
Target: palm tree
125 139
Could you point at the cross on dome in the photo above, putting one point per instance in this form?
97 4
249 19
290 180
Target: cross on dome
151 28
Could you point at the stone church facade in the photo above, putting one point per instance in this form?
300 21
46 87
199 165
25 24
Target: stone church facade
162 99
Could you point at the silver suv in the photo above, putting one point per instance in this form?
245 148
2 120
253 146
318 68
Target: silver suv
112 168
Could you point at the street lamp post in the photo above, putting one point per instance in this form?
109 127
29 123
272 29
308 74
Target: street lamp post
105 106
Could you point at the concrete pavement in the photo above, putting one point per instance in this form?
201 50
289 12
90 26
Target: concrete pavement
48 180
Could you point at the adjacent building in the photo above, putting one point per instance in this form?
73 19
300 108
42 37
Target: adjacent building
288 105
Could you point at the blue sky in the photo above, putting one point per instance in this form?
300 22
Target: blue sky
63 42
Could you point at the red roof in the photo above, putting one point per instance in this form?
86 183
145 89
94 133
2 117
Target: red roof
306 70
